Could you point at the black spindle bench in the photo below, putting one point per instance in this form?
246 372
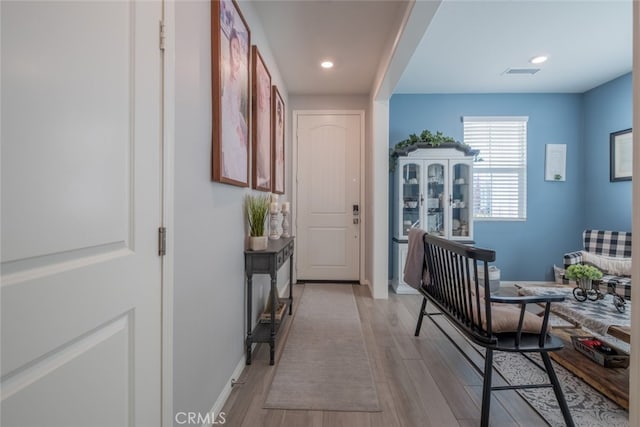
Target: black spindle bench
450 282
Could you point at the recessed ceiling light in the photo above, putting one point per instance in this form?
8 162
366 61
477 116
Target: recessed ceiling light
538 59
326 64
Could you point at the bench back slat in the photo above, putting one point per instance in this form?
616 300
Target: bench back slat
453 284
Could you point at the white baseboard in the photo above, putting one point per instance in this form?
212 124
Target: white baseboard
402 288
226 391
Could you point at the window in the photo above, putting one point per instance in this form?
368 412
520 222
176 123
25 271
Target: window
500 172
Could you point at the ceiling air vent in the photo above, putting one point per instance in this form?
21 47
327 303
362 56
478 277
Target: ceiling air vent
514 71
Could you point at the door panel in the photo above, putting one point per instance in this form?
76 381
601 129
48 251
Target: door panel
323 237
81 155
328 188
76 365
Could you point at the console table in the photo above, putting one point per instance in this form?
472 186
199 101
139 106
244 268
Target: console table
268 262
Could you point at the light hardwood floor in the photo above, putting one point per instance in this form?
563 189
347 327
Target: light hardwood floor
421 381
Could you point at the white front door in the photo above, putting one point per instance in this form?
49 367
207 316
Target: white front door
328 196
81 205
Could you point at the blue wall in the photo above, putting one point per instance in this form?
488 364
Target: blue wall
607 108
525 250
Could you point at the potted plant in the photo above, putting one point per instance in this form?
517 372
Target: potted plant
257 210
583 275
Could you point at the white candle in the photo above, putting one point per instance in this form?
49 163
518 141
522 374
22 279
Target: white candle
285 207
274 207
274 198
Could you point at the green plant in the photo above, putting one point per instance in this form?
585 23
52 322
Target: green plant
257 209
426 137
581 271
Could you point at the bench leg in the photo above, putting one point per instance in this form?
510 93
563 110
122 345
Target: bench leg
486 388
421 316
557 390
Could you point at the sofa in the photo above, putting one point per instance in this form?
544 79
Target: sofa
610 251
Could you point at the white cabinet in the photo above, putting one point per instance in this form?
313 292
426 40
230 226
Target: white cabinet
433 191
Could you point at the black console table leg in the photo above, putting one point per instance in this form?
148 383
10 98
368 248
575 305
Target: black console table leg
291 285
274 305
249 326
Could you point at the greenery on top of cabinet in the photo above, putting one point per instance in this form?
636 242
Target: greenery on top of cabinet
425 140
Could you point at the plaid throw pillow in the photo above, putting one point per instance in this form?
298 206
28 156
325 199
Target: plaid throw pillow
609 243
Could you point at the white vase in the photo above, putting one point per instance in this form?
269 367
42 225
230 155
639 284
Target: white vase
258 243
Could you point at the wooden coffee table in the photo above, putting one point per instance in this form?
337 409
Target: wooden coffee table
600 316
611 382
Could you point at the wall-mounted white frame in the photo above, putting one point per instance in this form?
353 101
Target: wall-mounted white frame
555 165
621 155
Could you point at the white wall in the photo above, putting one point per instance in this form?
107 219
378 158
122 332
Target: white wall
396 54
378 161
209 300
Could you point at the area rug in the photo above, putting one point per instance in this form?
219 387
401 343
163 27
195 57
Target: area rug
588 407
324 363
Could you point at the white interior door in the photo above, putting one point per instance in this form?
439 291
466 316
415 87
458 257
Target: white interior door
81 204
328 193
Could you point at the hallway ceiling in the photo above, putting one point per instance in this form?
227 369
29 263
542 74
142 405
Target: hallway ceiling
352 34
467 47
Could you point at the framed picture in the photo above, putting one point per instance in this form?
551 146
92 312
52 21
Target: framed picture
555 164
277 153
261 129
230 41
621 155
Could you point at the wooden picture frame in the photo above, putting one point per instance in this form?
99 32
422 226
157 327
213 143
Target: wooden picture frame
230 67
278 152
261 124
621 155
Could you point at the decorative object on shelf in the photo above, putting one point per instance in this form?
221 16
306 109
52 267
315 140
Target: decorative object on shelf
257 208
621 161
273 226
265 317
425 140
285 220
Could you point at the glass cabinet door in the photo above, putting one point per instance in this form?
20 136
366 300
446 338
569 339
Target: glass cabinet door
435 203
410 200
460 201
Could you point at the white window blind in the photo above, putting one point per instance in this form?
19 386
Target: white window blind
500 172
